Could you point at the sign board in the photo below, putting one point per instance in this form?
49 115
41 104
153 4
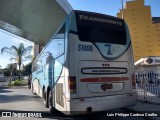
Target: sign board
148 61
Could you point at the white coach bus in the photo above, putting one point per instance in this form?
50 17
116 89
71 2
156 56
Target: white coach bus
87 66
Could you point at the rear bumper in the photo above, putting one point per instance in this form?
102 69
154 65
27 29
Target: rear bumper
97 104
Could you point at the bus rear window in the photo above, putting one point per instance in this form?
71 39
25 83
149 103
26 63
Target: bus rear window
95 27
102 35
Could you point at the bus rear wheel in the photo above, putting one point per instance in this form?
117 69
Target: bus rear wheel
50 103
45 99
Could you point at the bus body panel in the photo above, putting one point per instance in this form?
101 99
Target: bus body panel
101 103
40 81
91 73
97 80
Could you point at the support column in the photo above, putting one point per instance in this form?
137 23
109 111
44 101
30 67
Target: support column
37 49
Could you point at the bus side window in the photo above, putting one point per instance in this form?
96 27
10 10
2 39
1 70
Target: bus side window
56 47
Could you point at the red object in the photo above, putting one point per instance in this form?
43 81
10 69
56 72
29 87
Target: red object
104 79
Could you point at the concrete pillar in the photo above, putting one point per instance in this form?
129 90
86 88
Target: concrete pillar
37 49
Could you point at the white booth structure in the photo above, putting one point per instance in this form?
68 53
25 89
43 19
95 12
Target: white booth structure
148 68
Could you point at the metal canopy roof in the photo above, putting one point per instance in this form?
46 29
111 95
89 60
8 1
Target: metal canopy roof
36 20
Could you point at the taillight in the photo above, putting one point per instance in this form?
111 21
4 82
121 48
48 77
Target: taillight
133 81
72 84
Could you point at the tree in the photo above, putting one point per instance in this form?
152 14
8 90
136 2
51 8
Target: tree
0 69
20 54
27 69
10 68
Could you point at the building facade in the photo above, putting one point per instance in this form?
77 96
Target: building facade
144 30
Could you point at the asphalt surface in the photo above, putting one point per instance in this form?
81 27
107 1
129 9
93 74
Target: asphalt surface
19 101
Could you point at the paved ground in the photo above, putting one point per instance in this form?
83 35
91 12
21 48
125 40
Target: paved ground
145 108
21 100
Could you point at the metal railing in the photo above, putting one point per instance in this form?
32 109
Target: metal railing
148 85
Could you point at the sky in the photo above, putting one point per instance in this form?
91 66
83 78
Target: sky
110 7
7 40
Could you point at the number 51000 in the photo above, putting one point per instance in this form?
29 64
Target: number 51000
82 47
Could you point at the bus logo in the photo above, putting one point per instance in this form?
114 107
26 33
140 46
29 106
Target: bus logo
98 19
106 86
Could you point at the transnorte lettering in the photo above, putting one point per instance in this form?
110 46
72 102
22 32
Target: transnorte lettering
83 17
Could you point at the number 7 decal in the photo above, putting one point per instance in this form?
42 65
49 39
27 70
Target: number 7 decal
109 49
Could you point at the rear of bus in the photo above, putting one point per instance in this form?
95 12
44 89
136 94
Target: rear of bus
101 69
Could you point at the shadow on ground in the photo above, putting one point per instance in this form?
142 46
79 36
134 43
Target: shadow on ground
8 95
15 98
5 90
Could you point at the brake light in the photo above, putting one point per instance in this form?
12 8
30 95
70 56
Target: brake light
133 81
72 84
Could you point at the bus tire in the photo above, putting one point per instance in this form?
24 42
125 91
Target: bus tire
50 103
45 99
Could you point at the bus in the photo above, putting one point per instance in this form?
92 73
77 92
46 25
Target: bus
87 66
